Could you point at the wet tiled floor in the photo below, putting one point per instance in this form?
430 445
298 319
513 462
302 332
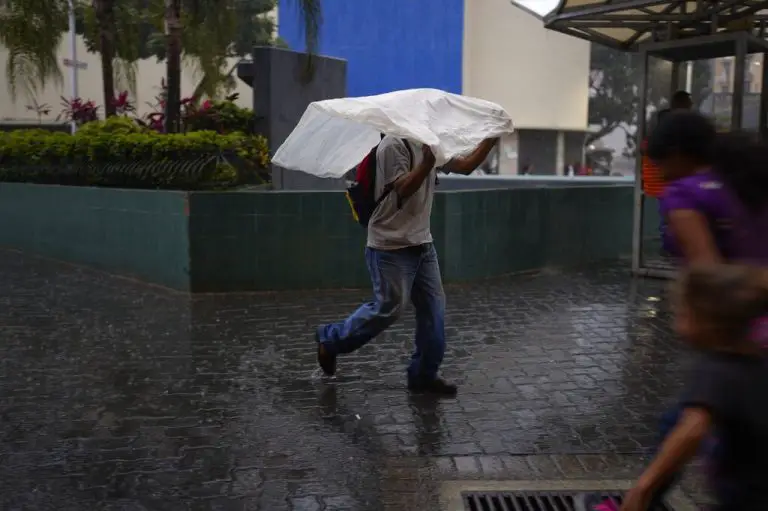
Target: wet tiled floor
116 395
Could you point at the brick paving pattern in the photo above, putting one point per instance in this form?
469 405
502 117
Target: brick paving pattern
117 395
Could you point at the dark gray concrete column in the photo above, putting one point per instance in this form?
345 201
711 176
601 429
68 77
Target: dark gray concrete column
281 94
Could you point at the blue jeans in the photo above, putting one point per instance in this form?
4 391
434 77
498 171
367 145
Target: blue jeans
397 276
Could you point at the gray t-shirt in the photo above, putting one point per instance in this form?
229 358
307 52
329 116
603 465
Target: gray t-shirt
390 227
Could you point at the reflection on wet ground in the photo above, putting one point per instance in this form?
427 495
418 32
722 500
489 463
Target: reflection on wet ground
117 395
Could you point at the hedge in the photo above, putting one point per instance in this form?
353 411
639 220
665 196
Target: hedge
117 152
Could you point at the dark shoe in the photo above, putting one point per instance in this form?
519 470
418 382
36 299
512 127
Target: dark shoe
326 360
436 386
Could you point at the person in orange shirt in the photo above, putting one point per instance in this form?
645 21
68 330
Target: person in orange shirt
653 182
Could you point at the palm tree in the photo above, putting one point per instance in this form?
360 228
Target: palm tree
31 32
105 18
211 24
115 30
173 65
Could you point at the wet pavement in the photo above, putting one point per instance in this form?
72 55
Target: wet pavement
116 395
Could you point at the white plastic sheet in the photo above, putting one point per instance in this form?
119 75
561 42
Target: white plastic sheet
333 136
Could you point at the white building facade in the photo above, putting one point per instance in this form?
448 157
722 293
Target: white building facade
539 76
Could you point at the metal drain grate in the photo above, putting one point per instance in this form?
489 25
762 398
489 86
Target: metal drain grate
532 500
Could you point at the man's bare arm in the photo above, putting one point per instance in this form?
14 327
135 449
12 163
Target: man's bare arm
406 185
467 164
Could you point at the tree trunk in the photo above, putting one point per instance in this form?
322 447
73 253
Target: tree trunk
105 13
173 65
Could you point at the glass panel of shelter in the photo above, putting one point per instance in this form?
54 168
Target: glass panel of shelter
717 100
711 84
658 94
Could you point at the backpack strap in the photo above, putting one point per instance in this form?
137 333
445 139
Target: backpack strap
410 154
389 187
410 167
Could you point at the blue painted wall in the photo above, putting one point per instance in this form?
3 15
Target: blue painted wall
388 44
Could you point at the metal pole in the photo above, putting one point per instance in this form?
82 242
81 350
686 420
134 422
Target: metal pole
73 56
689 77
763 119
674 83
639 202
739 67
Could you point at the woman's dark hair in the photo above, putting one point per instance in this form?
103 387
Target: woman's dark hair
729 297
682 132
739 158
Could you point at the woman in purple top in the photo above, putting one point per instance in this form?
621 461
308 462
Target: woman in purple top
715 210
716 200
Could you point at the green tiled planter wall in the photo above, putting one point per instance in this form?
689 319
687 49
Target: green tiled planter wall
651 234
141 233
493 232
238 241
274 240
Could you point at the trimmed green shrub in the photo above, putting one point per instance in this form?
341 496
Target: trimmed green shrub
220 116
117 152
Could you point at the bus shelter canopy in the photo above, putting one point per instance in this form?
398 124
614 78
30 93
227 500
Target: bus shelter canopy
627 24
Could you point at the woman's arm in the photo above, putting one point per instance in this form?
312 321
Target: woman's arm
678 448
694 237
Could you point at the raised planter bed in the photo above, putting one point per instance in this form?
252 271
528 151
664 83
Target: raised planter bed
254 240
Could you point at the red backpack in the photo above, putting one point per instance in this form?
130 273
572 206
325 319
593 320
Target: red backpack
361 194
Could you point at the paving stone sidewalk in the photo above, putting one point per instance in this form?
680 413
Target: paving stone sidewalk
116 395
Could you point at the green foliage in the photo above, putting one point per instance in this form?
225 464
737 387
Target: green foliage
132 23
117 125
253 26
220 116
135 20
31 32
212 31
117 152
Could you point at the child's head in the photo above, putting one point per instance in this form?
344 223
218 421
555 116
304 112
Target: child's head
717 305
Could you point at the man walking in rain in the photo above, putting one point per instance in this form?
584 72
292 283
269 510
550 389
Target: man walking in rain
403 264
